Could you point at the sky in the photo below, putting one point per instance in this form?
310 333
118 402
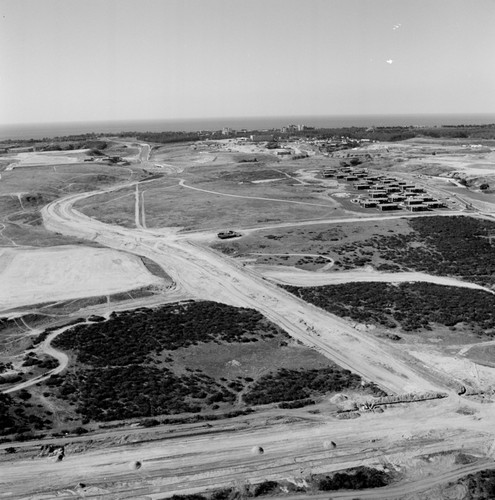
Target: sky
92 60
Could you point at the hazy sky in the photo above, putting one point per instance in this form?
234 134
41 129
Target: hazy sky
78 60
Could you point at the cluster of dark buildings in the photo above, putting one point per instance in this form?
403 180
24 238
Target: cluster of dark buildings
383 192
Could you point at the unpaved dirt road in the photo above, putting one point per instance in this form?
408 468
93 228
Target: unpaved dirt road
205 274
187 464
300 277
46 348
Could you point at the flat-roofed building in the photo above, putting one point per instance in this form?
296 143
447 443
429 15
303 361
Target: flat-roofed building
388 206
417 208
434 204
328 173
414 201
377 194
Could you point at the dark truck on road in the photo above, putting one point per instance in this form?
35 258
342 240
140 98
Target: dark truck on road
223 235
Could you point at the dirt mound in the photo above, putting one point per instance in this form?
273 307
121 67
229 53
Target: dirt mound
329 445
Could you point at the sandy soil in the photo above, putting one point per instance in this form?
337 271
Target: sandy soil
292 449
300 277
30 276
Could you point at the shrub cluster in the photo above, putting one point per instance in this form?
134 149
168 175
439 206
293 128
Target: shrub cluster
480 486
293 385
120 392
355 479
134 336
445 246
412 306
119 377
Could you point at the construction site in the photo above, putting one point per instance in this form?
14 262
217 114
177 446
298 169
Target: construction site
188 321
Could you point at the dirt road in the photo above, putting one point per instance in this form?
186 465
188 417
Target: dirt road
300 277
293 449
205 274
46 348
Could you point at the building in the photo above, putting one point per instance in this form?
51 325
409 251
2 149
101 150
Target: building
388 206
261 137
328 173
434 204
378 194
417 208
414 201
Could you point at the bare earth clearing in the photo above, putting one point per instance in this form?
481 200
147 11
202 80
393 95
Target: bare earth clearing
63 272
296 444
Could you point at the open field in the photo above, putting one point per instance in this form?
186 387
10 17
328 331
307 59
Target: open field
221 196
24 191
164 382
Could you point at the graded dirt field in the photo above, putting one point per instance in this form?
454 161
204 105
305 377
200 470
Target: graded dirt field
45 158
32 276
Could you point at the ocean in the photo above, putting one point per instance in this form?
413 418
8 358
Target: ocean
49 130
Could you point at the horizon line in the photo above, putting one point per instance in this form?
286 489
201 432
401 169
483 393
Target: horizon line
253 117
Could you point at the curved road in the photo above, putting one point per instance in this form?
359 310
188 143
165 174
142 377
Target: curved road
46 348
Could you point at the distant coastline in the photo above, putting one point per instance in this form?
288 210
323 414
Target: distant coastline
40 131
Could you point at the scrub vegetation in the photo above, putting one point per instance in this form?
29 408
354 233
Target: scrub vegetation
445 246
410 306
186 358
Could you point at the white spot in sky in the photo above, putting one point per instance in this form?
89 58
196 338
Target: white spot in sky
396 26
390 61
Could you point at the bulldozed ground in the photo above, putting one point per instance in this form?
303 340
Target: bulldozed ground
199 396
